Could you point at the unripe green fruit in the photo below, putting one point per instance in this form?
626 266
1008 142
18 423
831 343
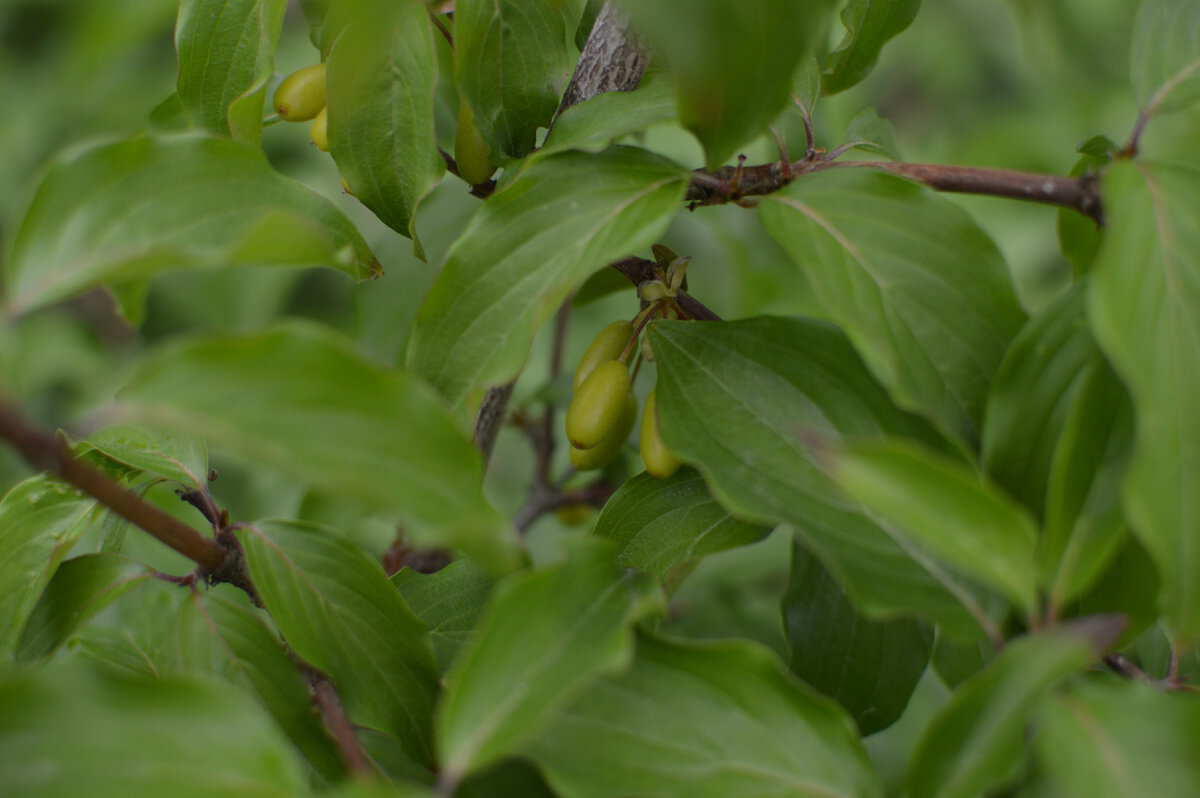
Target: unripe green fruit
660 461
609 345
575 514
597 404
470 151
607 450
301 96
320 130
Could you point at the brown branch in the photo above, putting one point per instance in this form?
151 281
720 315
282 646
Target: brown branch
338 722
219 559
736 183
639 270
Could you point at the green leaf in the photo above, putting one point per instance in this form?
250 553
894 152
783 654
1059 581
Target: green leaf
922 292
178 457
1145 311
705 720
733 62
121 212
86 731
449 602
869 25
594 124
511 64
221 637
226 58
80 588
1032 394
527 247
734 400
1084 523
869 667
338 611
1164 57
945 508
41 519
1079 235
299 397
976 741
380 82
1120 739
546 636
661 525
866 131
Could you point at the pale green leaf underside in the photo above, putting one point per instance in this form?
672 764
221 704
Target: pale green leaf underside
1164 59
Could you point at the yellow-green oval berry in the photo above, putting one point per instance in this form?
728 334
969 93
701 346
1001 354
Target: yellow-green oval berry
597 404
301 96
660 461
470 151
320 130
608 345
607 450
575 514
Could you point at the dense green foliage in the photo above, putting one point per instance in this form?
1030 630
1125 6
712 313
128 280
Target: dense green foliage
937 526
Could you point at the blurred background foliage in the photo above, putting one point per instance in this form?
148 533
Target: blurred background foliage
1017 84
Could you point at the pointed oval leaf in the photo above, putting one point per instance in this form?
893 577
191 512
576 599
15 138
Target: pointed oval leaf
81 587
594 124
1120 739
226 58
1164 58
545 637
920 289
661 524
87 731
735 399
1144 306
946 509
337 609
449 602
175 456
705 720
977 739
511 64
300 397
869 667
120 212
869 24
41 519
380 82
733 62
527 247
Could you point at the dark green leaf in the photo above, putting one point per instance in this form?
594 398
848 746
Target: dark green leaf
705 720
957 661
1145 311
1032 394
118 213
734 400
869 667
338 611
529 245
70 731
182 458
1120 739
300 398
733 62
546 636
1084 523
41 519
221 637
1164 59
869 25
226 58
977 740
594 124
1129 584
662 524
380 81
511 65
1079 235
138 631
81 587
448 601
945 508
922 292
